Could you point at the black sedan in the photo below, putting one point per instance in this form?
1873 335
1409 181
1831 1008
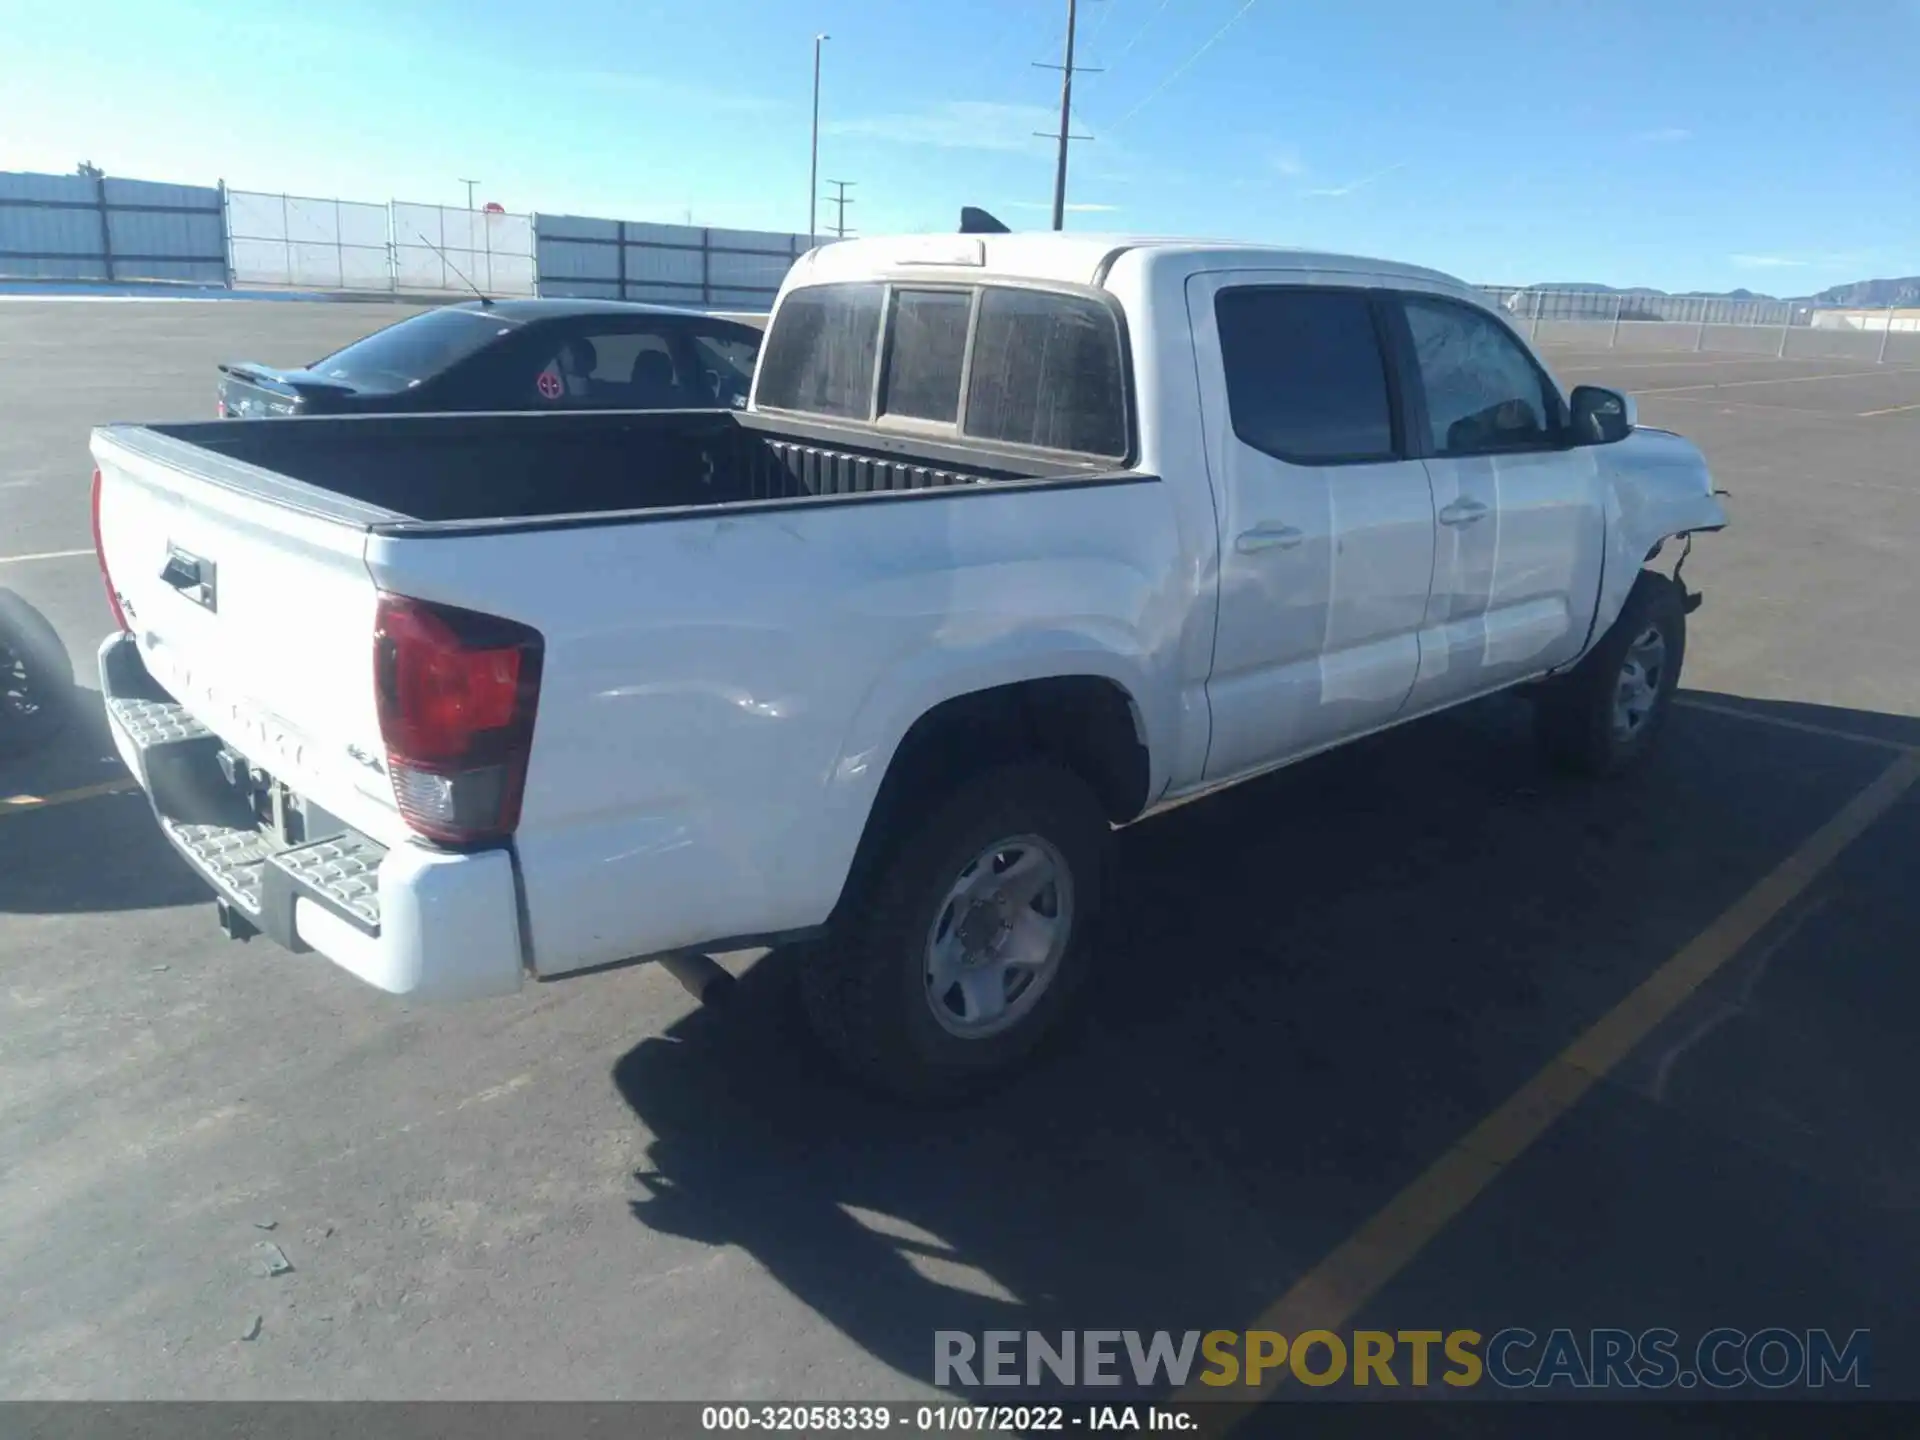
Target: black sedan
514 355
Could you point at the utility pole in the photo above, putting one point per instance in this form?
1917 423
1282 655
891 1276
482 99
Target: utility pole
813 165
1067 70
840 201
469 184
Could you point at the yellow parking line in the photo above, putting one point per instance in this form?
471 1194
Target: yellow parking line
21 804
1328 1296
1781 722
1890 410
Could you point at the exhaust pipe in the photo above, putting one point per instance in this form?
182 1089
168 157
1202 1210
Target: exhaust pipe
700 975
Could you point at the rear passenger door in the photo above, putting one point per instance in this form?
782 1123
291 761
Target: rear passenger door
1326 527
1518 548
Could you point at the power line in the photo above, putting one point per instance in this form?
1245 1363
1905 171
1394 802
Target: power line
1186 64
1101 24
1148 25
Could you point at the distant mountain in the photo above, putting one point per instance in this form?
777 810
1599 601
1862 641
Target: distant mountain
1875 293
1870 293
1649 290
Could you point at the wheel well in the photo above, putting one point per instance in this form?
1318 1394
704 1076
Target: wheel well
1085 722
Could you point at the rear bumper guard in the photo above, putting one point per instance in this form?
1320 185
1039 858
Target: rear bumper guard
209 822
411 920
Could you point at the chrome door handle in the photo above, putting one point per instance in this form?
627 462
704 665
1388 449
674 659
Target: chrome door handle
1268 537
1463 512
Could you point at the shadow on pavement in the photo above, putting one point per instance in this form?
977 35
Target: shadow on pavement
1311 986
95 854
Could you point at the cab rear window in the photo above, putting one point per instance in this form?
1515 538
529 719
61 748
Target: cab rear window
996 363
412 351
820 353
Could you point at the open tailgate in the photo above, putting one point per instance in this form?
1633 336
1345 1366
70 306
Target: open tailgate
250 600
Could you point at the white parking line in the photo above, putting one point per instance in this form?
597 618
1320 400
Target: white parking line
1598 363
1783 380
1750 405
1890 410
45 555
1783 722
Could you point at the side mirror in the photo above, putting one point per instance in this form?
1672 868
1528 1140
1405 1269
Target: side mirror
1602 416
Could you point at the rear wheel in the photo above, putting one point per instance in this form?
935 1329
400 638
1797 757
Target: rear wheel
36 675
1606 714
968 943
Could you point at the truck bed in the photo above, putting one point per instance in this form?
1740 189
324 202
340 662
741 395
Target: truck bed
436 469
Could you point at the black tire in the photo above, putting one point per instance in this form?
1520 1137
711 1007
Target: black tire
1574 716
865 988
36 676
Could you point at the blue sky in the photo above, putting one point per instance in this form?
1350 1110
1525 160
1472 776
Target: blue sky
1677 143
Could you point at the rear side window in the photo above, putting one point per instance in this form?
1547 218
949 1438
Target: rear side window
1306 378
926 351
417 349
821 351
1047 372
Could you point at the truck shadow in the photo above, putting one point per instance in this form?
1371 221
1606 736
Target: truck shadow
1311 986
93 854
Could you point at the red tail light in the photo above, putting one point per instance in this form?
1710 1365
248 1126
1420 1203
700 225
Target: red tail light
100 552
456 692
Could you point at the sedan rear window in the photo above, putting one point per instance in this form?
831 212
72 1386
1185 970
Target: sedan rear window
401 356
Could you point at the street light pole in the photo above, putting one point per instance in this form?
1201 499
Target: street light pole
813 163
469 184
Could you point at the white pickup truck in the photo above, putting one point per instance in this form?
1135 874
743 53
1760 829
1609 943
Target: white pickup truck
1020 538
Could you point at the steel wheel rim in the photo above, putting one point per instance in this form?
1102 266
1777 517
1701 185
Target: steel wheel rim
18 691
997 937
1637 690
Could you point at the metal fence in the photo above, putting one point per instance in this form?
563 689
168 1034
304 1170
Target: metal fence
674 264
398 247
296 240
444 247
95 228
1707 324
100 228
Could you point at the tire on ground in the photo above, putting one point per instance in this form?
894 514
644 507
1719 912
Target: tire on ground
865 988
1574 718
36 675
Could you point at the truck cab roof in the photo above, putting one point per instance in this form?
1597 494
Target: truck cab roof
1076 259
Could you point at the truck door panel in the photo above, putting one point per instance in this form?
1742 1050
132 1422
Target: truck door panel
1327 531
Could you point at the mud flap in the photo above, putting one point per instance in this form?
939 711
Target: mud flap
1690 600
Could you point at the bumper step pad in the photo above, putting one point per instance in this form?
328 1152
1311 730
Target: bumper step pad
229 857
208 822
151 723
342 871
